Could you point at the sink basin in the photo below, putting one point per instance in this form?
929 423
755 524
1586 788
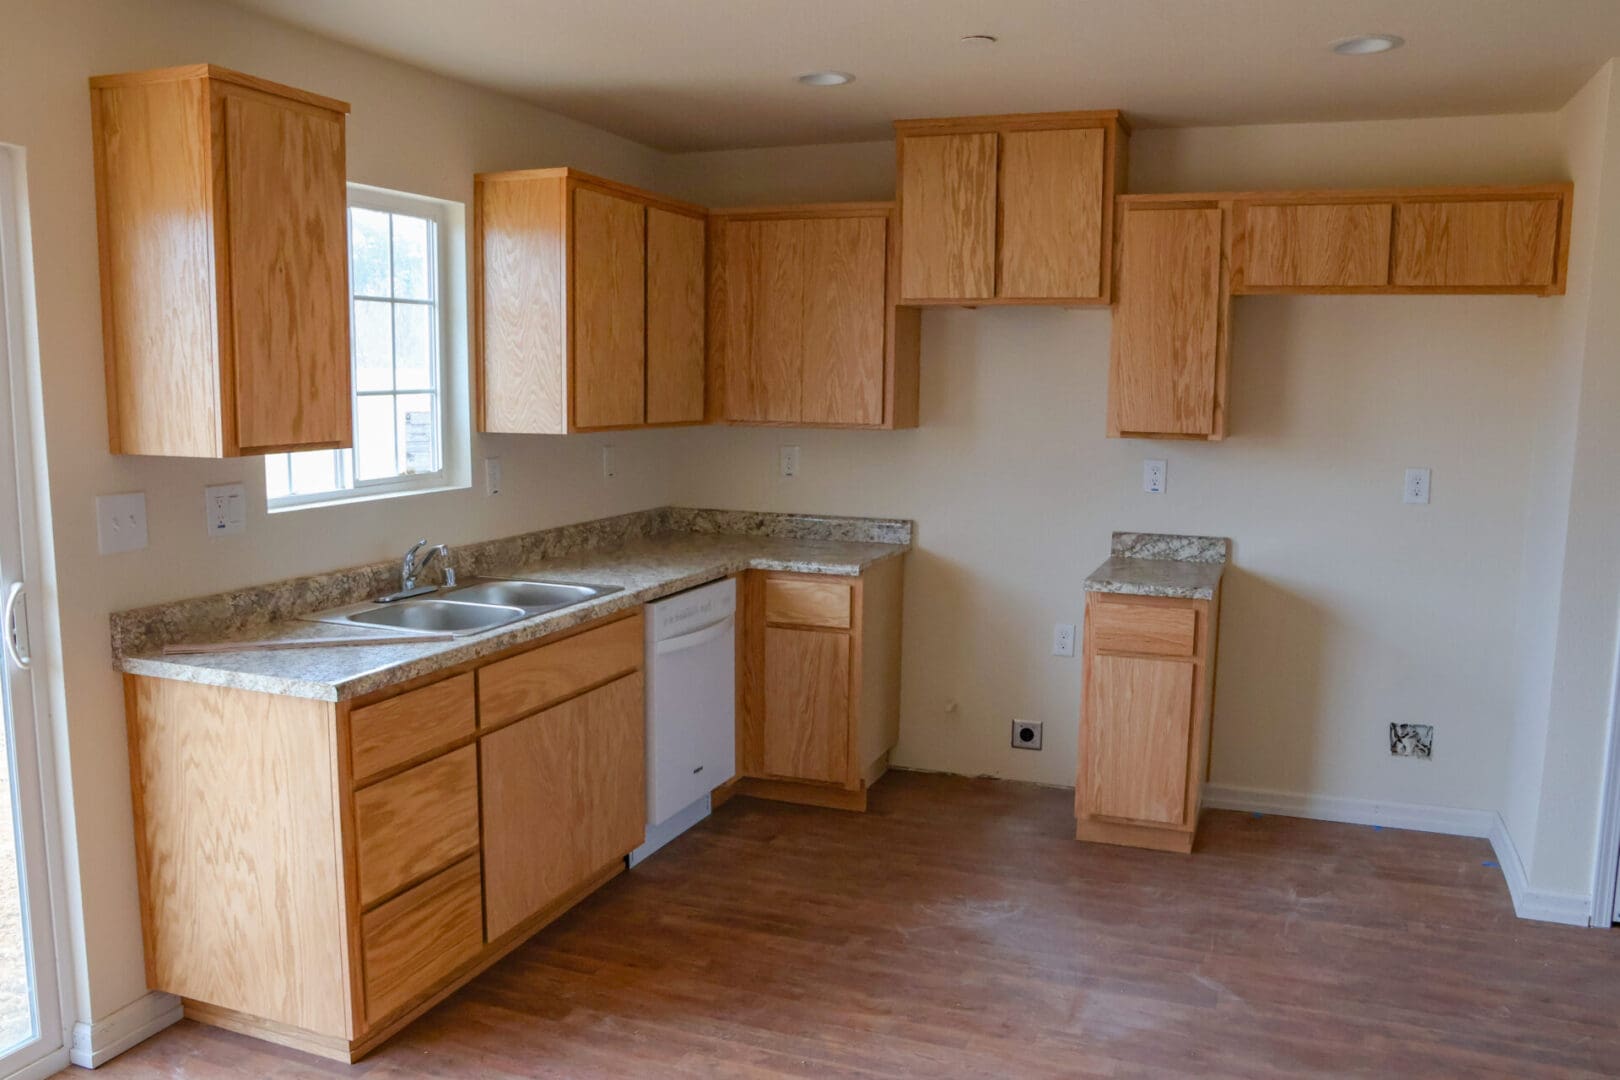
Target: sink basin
437 615
533 596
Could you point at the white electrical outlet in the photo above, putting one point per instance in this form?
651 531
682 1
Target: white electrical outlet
1063 639
1416 487
790 462
226 509
1153 476
492 476
121 522
610 463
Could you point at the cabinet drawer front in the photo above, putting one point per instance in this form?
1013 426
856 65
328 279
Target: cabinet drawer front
807 603
421 937
1327 246
1137 725
534 680
410 725
416 822
1502 244
1142 628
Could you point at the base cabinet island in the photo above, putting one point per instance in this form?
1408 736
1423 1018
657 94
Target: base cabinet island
331 840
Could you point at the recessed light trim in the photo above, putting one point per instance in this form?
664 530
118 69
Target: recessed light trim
1367 44
826 78
978 39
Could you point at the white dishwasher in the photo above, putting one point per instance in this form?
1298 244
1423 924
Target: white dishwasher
691 674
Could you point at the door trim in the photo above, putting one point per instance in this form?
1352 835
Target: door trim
1605 910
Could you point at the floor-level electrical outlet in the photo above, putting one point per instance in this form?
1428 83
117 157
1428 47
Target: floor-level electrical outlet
1411 740
1026 734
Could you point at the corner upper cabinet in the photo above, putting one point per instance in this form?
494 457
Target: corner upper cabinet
803 325
1167 366
1009 209
588 304
221 213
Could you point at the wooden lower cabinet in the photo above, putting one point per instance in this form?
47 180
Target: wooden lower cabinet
819 694
1144 729
307 881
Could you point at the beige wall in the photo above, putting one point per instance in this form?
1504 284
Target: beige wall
1345 609
409 131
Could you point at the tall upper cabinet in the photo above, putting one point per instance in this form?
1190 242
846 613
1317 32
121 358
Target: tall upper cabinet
1009 209
804 329
588 304
220 207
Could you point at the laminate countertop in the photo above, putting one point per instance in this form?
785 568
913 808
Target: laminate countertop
644 567
1162 564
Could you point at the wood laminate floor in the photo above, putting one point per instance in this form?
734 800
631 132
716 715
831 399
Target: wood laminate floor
957 930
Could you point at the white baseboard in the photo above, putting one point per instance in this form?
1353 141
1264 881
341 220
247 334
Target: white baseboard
98 1042
1543 906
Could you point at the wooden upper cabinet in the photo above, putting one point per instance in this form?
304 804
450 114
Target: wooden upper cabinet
675 317
1009 209
1167 371
221 213
803 327
588 305
1322 245
1479 244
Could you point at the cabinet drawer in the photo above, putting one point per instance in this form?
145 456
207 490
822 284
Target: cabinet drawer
410 725
421 937
1143 628
534 680
807 603
416 822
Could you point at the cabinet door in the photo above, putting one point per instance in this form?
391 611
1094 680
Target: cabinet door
765 281
609 325
1051 193
842 352
1502 243
1327 246
564 794
806 730
521 289
289 291
1137 727
675 316
1168 333
948 217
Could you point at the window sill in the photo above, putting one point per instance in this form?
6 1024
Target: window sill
350 498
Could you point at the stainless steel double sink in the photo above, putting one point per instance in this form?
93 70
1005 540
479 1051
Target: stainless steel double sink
469 607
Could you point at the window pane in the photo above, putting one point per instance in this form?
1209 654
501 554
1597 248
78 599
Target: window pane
413 346
368 252
411 266
275 476
418 450
373 345
374 438
314 471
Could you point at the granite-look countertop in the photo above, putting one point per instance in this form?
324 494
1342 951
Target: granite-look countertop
645 567
1162 564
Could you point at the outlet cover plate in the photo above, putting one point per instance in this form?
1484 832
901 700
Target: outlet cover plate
1026 734
226 508
1411 740
1063 639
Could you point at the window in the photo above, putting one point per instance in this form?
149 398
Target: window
405 398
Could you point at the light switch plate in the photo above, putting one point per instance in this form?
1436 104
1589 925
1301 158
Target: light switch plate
121 522
492 476
790 462
1153 470
226 508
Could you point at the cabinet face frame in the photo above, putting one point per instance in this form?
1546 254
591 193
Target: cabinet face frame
1116 143
728 316
551 366
181 396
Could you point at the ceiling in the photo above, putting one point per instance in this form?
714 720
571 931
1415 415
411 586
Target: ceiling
714 74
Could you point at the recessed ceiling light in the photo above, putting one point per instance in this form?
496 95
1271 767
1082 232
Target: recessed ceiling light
978 39
826 78
1366 44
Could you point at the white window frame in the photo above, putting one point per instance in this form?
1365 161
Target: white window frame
451 390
